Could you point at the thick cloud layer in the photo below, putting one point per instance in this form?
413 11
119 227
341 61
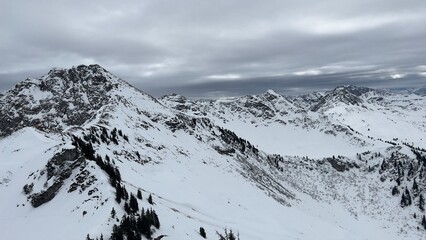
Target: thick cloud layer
211 48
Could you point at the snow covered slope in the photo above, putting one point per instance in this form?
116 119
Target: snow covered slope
78 145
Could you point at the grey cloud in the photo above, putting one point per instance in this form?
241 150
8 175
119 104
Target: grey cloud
290 85
171 46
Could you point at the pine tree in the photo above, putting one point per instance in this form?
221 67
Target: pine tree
117 233
117 174
227 236
150 199
203 232
403 200
422 203
408 197
415 186
424 222
125 193
395 191
113 213
143 224
133 203
243 147
155 220
383 166
139 195
410 170
231 235
127 208
118 193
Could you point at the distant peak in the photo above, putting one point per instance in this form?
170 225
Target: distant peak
420 91
355 90
271 92
82 73
93 67
270 95
174 97
350 87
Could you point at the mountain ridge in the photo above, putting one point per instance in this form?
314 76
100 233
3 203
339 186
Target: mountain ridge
265 165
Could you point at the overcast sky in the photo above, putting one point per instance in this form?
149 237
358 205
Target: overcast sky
218 48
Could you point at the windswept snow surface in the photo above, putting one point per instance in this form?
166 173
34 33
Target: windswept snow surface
193 190
294 141
22 154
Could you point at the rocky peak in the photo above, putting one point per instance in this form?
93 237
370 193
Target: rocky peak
61 98
350 89
174 98
306 101
420 91
350 95
271 94
179 102
79 70
82 75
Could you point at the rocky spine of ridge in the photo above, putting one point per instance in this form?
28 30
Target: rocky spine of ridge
349 95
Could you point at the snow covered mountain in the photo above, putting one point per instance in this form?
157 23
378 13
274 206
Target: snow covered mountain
82 152
420 91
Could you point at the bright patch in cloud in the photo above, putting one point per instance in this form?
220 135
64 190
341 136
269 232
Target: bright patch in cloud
397 76
225 77
310 72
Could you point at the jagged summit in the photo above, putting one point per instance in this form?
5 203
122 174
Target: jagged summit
59 80
271 95
92 69
84 74
349 95
271 92
178 102
61 98
355 90
175 97
420 91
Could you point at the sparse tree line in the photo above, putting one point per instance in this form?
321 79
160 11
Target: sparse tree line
134 223
227 235
410 173
241 144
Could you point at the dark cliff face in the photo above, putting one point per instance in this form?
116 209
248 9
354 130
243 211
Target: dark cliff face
59 168
63 97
